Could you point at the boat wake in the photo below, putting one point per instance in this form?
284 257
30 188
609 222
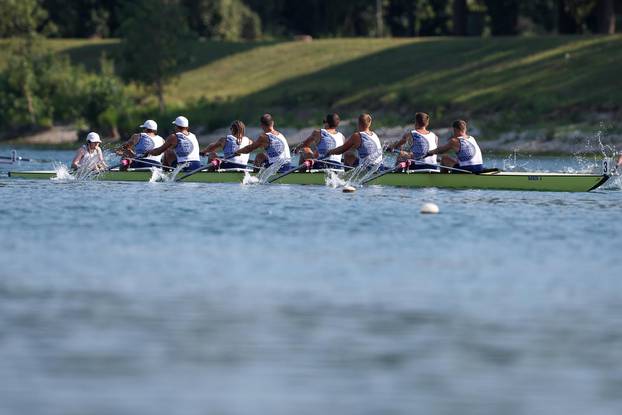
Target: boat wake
63 174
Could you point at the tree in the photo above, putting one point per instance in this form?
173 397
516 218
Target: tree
503 16
606 17
223 19
152 44
21 17
459 17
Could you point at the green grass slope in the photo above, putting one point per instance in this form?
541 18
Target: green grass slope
503 82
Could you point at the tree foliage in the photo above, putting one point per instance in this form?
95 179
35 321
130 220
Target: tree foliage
152 48
22 17
223 19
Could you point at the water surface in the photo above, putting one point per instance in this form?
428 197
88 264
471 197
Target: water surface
189 298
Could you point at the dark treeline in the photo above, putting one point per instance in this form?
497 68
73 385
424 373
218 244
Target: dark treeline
252 19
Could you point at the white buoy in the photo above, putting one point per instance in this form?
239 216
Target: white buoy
430 208
349 189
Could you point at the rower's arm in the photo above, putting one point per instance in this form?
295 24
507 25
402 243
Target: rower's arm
170 142
102 162
312 139
354 140
77 158
398 143
451 145
260 142
217 145
128 146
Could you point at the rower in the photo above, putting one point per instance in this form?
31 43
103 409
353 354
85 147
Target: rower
367 144
324 139
229 145
89 156
139 144
274 143
421 141
184 143
466 148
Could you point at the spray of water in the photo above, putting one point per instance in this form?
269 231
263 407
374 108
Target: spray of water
266 173
512 162
364 170
249 179
334 179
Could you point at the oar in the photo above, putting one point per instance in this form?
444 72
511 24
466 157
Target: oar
460 170
382 173
290 171
151 163
116 166
202 168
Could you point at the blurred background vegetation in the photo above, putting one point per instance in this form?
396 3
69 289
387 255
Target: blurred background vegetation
107 64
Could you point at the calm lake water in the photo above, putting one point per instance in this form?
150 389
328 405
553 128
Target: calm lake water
183 298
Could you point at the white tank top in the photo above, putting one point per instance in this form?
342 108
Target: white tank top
421 144
469 154
328 142
90 159
147 142
278 149
187 148
370 150
231 146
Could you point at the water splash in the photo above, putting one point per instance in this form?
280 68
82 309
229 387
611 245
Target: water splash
83 173
512 163
249 179
334 179
364 170
595 151
159 175
267 173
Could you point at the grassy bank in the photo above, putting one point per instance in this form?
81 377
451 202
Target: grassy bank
500 83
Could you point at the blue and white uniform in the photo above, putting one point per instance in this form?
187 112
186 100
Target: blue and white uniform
370 150
278 151
230 147
187 151
144 144
469 155
421 144
328 142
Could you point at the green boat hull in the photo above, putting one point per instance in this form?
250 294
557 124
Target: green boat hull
556 182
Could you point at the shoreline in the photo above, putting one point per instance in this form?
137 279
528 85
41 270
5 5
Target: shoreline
533 141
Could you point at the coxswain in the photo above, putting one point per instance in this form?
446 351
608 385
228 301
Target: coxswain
421 141
320 142
274 144
185 145
229 145
134 149
468 153
365 142
90 155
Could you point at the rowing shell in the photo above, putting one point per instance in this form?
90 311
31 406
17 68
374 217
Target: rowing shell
554 182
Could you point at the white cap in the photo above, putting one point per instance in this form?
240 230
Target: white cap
150 125
93 138
181 122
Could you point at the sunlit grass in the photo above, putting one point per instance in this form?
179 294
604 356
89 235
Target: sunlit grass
526 80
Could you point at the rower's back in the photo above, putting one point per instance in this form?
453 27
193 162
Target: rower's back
469 153
421 144
278 148
329 141
148 142
187 148
233 144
